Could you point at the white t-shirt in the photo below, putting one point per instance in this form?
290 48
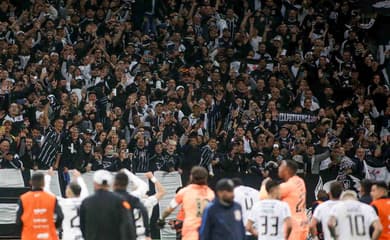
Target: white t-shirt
149 203
322 215
246 197
353 220
268 217
71 210
71 223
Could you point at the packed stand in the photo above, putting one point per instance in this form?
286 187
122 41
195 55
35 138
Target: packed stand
233 86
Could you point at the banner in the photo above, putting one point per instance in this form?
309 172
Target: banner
171 182
8 213
88 179
11 178
54 183
377 173
296 117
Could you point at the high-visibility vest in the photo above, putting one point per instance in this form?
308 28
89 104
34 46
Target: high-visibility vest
38 216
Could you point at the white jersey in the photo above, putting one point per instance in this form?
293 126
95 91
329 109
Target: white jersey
71 223
70 208
353 220
149 203
246 197
322 215
268 217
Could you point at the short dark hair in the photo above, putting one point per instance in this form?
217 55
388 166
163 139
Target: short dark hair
121 180
38 180
75 188
381 184
336 189
270 185
237 182
199 175
292 165
365 185
322 195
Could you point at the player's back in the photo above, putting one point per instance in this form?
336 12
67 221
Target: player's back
194 199
71 224
293 192
246 197
322 214
382 206
268 216
353 220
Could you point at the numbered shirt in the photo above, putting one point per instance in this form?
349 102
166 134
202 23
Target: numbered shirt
353 219
193 199
71 223
322 215
293 192
246 197
268 217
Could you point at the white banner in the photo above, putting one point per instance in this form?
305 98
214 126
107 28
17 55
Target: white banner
88 179
8 213
11 178
377 173
171 182
54 183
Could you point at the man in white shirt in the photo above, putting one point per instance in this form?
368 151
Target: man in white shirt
322 212
351 219
75 192
140 190
246 197
269 217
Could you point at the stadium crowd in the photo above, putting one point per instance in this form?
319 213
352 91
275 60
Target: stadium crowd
233 86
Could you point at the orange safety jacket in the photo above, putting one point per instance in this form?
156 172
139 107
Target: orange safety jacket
37 218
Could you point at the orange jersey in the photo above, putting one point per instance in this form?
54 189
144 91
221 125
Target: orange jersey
383 208
193 199
293 192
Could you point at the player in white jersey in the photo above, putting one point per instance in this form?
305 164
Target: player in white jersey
351 219
269 217
246 197
76 191
321 214
140 190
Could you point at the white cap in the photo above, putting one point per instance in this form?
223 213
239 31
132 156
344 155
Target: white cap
276 145
102 177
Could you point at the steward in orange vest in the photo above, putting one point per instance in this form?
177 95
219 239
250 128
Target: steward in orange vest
39 214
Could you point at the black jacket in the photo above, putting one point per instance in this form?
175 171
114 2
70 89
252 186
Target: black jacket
105 216
136 204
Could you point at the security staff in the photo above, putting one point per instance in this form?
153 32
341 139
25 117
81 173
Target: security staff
222 219
37 211
105 215
120 186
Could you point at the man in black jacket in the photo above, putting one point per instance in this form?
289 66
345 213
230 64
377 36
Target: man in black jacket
120 187
105 215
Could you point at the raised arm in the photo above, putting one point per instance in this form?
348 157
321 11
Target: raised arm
160 190
141 185
80 181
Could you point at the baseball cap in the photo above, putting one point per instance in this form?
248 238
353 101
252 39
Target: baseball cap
277 38
225 184
276 145
179 87
102 177
259 154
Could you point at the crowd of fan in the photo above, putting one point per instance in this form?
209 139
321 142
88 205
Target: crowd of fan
167 85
